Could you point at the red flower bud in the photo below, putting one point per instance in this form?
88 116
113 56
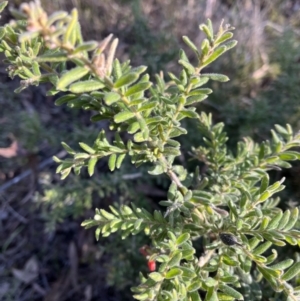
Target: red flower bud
151 265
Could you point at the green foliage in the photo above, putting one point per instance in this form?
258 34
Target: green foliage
231 206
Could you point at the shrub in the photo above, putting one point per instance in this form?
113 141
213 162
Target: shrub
230 206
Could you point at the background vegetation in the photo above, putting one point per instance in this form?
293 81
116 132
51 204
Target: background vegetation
44 253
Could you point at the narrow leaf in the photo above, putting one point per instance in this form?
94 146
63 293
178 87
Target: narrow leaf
139 87
86 86
111 97
71 76
64 99
189 43
91 166
282 265
126 79
217 77
293 219
175 259
157 277
292 272
112 162
218 52
174 272
231 292
86 46
87 148
194 286
211 295
226 36
120 160
52 58
182 238
262 248
123 116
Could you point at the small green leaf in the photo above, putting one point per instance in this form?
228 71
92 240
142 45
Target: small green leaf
288 156
224 37
188 113
156 170
68 148
182 238
157 277
202 91
264 183
138 223
207 31
126 79
284 220
97 233
293 219
52 58
123 116
264 196
258 258
177 131
112 162
86 86
64 99
108 216
174 272
171 151
218 52
224 297
189 43
141 297
231 292
147 106
194 296
230 279
71 76
86 46
2 33
175 258
3 5
111 97
211 295
87 148
211 282
195 98
137 88
189 67
188 273
264 224
188 253
194 286
71 28
216 77
230 44
291 272
120 160
91 165
275 221
262 248
229 260
282 265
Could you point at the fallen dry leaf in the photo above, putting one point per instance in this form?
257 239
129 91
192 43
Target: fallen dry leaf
11 151
29 273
